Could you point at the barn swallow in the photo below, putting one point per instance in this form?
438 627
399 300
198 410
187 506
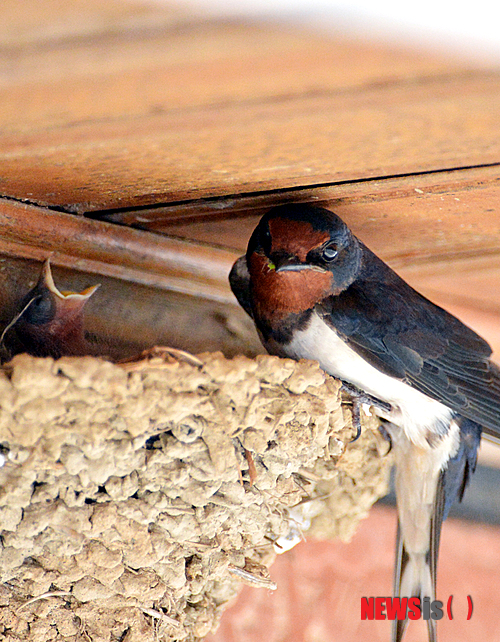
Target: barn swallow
49 323
315 291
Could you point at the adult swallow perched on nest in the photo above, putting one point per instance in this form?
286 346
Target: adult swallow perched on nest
49 322
315 291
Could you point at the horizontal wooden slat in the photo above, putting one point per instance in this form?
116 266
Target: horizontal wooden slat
167 218
412 220
235 149
122 317
442 263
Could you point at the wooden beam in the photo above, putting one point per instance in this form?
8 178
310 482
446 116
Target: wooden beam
101 248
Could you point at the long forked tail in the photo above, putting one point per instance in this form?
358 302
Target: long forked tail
416 564
415 576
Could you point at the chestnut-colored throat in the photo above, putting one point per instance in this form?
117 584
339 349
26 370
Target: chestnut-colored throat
276 295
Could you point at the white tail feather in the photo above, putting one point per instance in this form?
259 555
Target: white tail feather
416 579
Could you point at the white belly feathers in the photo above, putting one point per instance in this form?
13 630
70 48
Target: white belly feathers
414 412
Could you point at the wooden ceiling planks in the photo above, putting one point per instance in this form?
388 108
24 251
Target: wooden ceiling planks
131 74
240 148
125 108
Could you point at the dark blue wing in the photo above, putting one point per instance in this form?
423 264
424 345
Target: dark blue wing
406 336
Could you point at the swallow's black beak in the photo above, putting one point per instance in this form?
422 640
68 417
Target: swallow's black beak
286 263
292 267
290 263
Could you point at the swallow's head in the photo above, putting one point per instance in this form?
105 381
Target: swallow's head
50 321
298 255
45 303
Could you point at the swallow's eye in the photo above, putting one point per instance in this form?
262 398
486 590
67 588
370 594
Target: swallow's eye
329 252
39 310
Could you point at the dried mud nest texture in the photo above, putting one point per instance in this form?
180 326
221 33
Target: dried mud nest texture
135 499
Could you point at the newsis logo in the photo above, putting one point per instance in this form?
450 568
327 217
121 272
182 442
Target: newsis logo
413 608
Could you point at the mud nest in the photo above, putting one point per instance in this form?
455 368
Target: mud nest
135 499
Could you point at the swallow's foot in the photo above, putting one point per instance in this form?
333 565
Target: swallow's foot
356 419
358 398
